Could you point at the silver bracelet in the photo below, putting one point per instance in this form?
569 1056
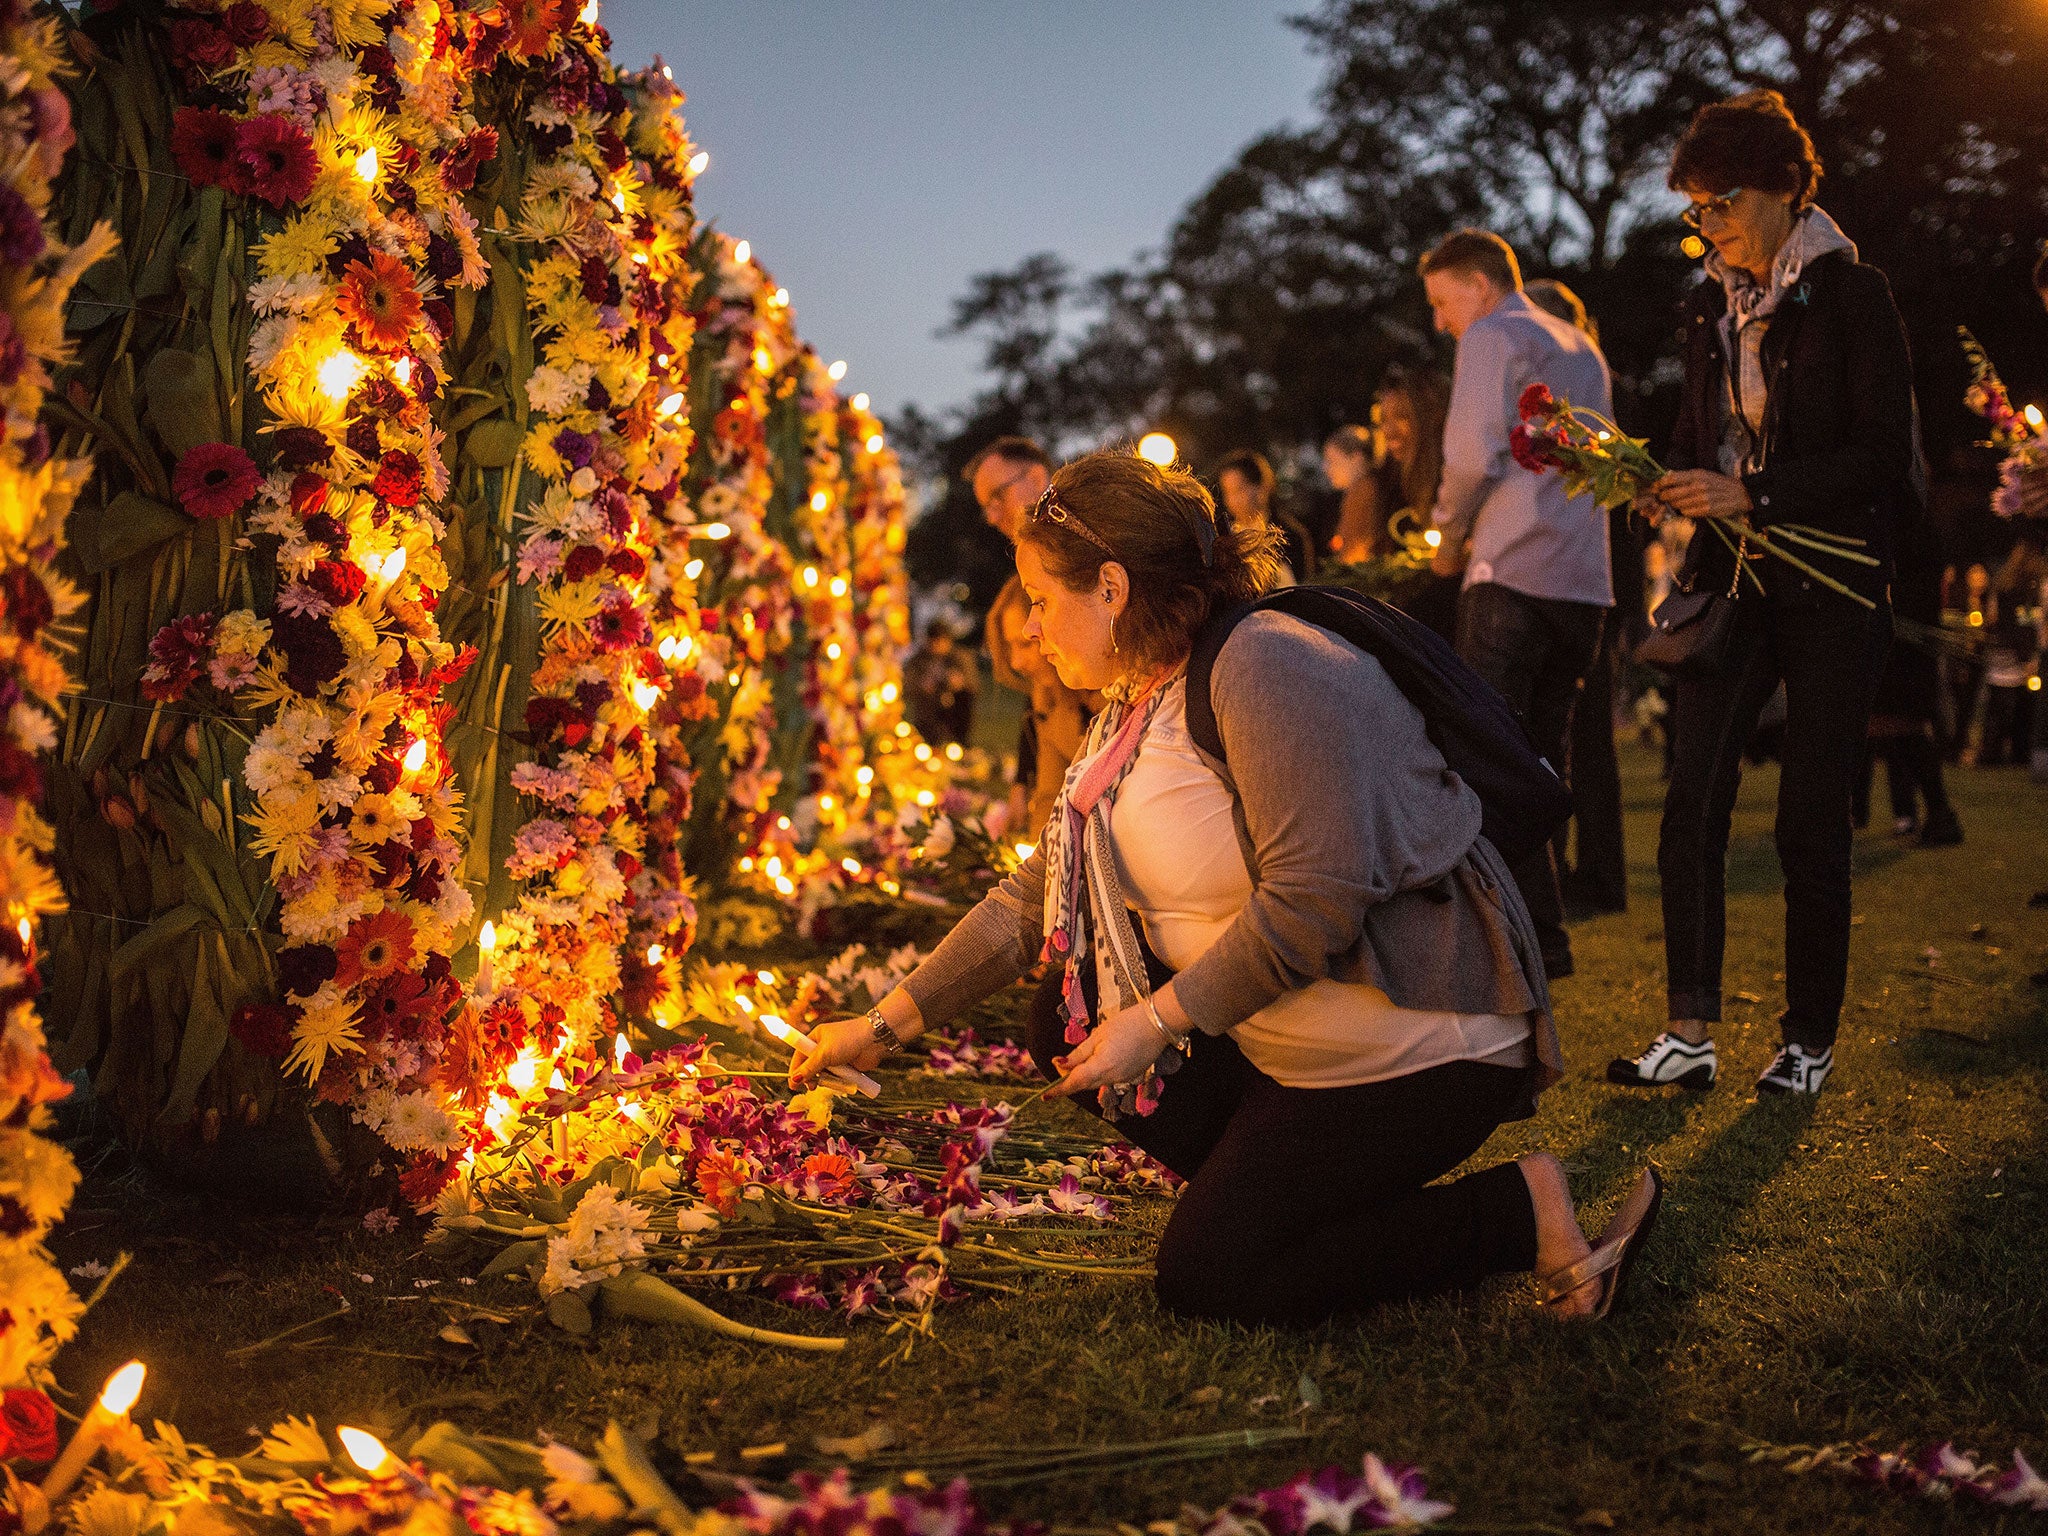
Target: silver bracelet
1173 1041
885 1037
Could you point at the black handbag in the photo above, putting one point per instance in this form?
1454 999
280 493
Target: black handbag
1691 631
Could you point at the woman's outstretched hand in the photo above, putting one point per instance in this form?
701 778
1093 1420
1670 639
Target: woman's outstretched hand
1702 493
1117 1051
837 1043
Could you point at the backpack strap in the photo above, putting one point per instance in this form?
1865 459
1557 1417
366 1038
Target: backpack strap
1201 709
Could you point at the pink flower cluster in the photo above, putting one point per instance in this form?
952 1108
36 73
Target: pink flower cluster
1941 1472
963 1055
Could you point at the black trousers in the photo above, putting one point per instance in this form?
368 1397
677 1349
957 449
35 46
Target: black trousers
1303 1203
1535 651
1598 873
1828 652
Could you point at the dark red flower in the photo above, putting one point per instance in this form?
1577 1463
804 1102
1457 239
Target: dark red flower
313 652
215 480
25 601
265 1029
246 22
203 142
393 1004
399 479
459 167
28 1426
1537 401
302 967
200 45
302 447
426 1177
178 657
277 158
618 625
341 582
1534 451
583 561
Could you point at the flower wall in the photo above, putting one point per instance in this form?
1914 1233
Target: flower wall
473 541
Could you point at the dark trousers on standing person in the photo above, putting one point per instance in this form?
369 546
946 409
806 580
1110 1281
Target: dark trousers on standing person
1596 879
1303 1203
1828 652
1535 651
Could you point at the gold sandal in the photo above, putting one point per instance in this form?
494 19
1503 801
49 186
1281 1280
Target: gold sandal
1615 1252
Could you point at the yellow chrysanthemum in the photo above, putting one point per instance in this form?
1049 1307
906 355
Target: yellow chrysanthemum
304 243
328 1024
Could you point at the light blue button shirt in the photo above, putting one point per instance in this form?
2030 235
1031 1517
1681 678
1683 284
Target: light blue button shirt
1526 533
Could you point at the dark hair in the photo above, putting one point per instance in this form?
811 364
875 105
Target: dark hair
2041 270
1751 140
1250 463
1158 522
1553 297
1018 451
1475 250
1351 439
1428 397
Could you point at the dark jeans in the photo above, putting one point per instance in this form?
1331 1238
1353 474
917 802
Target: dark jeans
1598 873
1535 651
1306 1202
1828 652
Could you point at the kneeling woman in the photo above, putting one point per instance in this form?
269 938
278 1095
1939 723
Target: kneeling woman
1303 981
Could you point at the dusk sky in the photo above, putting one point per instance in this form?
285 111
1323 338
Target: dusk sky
879 152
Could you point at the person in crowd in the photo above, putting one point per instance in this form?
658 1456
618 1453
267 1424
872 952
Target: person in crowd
1905 713
1408 412
1962 674
1008 477
939 686
1597 880
1797 408
1246 480
2011 654
1361 527
1306 984
1537 584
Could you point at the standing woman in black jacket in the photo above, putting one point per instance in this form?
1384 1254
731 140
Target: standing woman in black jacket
1798 409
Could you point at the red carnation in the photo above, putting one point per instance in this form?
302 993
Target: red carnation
178 656
25 601
215 480
246 22
341 582
585 560
203 142
399 478
1537 401
1534 451
28 1426
277 158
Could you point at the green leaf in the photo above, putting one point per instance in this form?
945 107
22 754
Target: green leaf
205 1037
515 1256
447 1449
209 862
129 525
159 935
621 1455
182 403
492 444
568 1310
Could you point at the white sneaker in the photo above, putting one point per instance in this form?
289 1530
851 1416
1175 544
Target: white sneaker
1670 1059
1795 1069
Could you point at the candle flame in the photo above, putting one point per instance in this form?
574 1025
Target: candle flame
619 1050
393 566
123 1387
669 406
837 371
860 402
416 756
402 371
488 939
778 1029
1025 850
645 695
1432 537
524 1072
654 954
874 442
2034 417
717 531
366 164
364 1449
25 929
699 161
743 253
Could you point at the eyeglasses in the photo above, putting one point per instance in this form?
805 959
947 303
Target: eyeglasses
1002 488
1720 207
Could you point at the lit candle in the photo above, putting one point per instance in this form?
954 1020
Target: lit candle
116 1398
388 571
793 1037
364 1449
487 945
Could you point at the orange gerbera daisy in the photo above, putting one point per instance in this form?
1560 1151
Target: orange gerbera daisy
721 1180
376 946
535 25
380 298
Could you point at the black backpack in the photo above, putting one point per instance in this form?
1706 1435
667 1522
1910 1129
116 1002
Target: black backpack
1521 798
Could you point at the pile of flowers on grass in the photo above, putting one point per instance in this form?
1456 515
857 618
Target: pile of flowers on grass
1939 1471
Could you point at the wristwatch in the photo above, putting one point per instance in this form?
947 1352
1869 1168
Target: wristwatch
885 1037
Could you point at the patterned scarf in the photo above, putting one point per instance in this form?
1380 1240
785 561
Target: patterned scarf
1086 917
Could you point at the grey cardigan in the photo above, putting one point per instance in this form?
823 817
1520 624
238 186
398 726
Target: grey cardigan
1364 848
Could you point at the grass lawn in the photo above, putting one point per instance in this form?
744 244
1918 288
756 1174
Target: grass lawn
1870 1265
